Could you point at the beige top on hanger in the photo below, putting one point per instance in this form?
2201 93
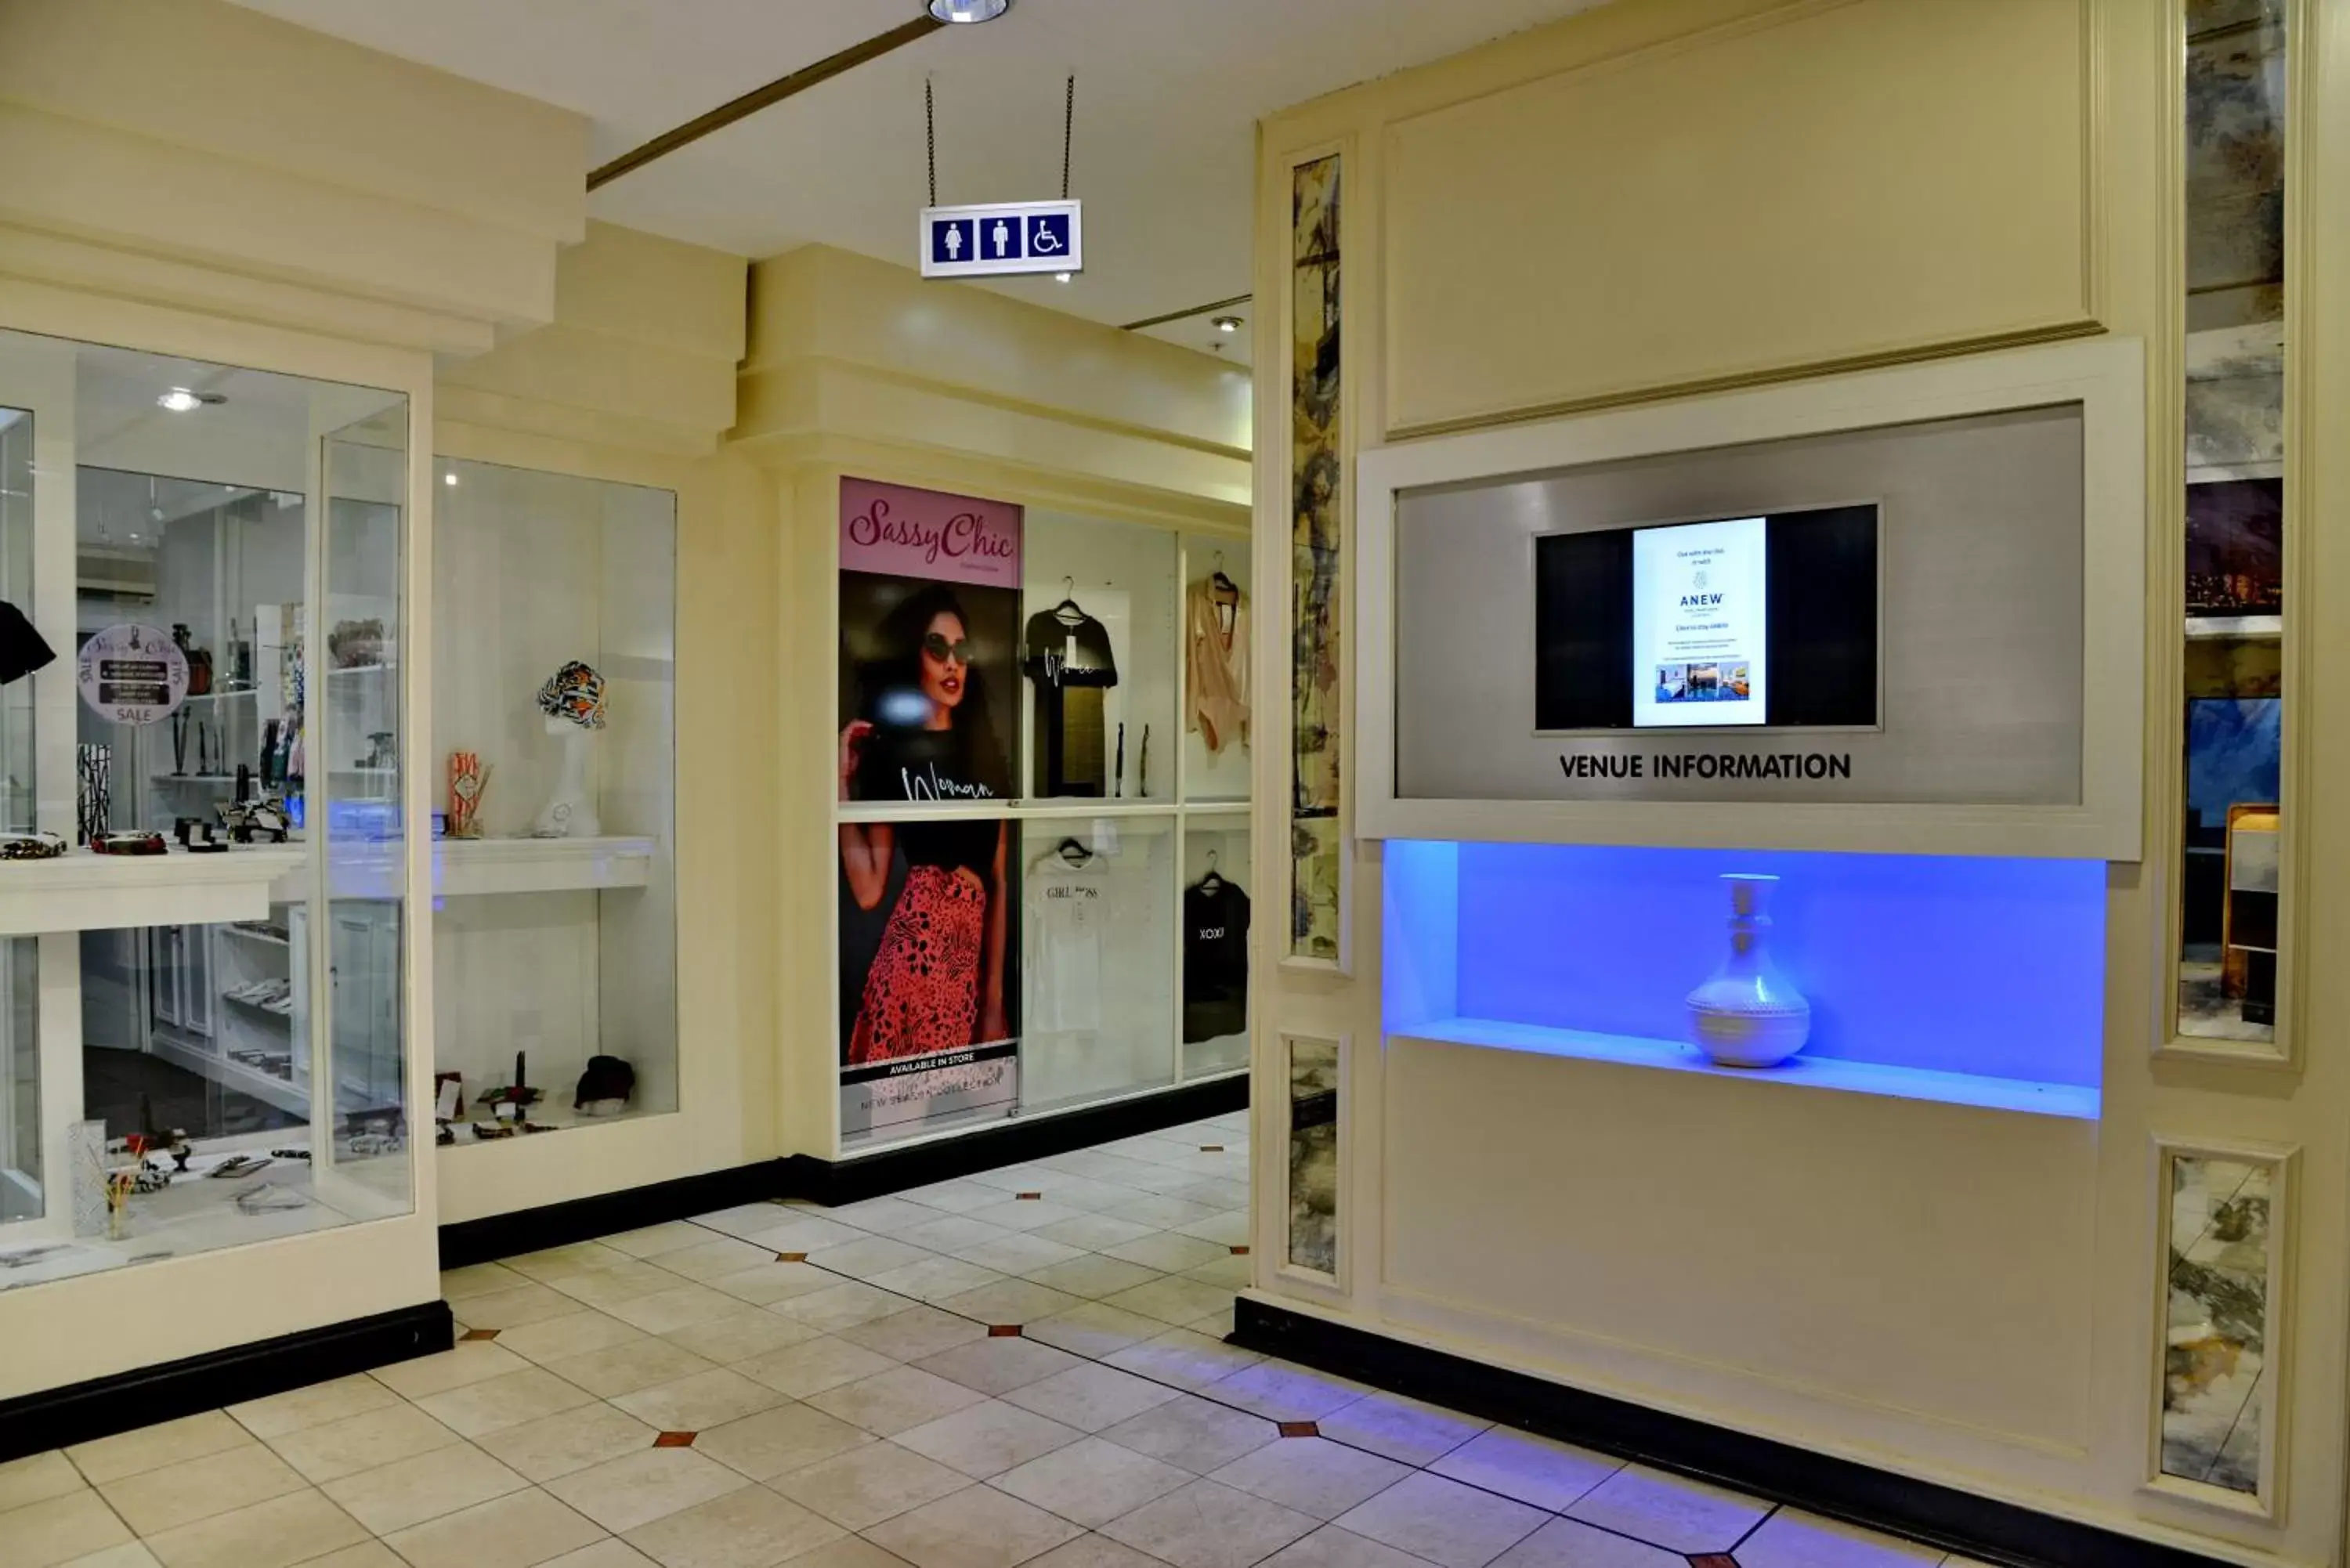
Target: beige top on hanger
1215 664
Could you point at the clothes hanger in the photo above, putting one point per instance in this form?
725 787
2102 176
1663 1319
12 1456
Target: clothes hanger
1210 882
1219 583
1068 612
1075 853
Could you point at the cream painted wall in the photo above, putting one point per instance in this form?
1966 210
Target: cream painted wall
1664 197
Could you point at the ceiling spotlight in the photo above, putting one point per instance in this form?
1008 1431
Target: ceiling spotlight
450 480
179 400
969 10
1226 324
1061 277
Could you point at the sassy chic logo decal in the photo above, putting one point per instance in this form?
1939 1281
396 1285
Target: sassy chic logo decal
928 534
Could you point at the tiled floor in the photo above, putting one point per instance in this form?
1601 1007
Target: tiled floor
1023 1366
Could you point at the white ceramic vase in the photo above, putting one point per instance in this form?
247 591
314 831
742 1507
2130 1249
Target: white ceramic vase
1748 1014
570 812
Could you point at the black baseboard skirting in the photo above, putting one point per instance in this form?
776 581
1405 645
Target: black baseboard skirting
585 1219
81 1412
1015 1142
1941 1516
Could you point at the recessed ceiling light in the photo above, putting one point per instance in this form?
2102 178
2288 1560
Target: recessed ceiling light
969 10
179 400
1226 324
450 480
1061 277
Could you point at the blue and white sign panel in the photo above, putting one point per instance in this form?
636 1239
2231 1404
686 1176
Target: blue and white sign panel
1008 237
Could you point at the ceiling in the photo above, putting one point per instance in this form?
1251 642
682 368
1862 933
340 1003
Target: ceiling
1169 93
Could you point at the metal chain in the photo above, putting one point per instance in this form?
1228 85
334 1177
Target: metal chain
930 138
1068 126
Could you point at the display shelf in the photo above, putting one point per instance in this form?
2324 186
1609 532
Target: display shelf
251 934
480 866
81 891
1215 808
2260 627
2072 1100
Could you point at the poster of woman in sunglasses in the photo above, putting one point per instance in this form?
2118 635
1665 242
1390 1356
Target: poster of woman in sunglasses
929 604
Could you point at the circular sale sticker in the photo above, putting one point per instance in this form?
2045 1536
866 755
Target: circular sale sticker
132 674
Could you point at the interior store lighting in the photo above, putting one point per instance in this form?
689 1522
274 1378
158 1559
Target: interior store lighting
179 400
966 11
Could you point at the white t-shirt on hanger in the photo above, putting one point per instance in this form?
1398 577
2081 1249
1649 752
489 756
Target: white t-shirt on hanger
1068 909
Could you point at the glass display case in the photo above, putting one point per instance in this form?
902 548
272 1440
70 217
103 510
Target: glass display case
555 731
1043 819
233 544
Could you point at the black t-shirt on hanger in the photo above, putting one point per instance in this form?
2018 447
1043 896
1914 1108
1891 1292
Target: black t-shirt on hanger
1067 653
1215 959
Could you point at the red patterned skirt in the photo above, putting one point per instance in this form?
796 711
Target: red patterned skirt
922 992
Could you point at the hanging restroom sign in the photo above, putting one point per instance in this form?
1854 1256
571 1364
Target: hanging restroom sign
1006 237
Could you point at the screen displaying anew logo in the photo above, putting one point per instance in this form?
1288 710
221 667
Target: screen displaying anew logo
1700 613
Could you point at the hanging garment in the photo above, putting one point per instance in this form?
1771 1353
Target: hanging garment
1215 665
1215 959
1067 911
21 650
1067 653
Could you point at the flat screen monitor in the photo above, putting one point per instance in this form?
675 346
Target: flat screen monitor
1768 621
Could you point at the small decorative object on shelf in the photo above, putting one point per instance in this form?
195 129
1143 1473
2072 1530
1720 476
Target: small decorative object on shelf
605 1087
128 843
1748 1015
31 847
356 643
264 821
469 781
573 702
93 768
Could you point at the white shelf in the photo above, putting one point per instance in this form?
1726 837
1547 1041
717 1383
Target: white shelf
2261 627
1054 807
1830 1073
81 891
479 866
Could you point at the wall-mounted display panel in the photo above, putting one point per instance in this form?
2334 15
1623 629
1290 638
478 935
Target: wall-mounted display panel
1855 613
1036 911
221 555
555 694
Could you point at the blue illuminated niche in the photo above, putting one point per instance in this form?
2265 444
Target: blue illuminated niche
1942 968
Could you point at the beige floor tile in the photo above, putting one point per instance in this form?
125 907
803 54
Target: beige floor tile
1667 1510
609 1552
1793 1539
1229 1229
975 1527
573 1258
1516 1464
517 1531
915 1332
841 1306
1197 1434
58 1529
1091 1398
867 1256
37 1479
1165 1212
935 1279
1209 1526
750 1528
1406 1430
625 1368
999 1365
479 1279
604 1289
889 1402
705 1400
151 1447
283 1530
134 1554
750 1219
1095 1551
430 1375
496 1403
713 1257
1095 1329
949 1233
636 1488
848 1552
1564 1544
1280 1392
1026 1214
1091 1276
1184 1358
988 1439
664 1312
1331 1547
158 1499
568 1440
334 1449
1311 1475
652 1241
740 1334
799 1230
574 1333
1449 1524
321 1402
1017 1252
1232 1272
513 1308
409 1491
1093 1231
957 1196
1173 1299
859 1488
810 1369
1091 1481
788 1437
366 1554
1010 1301
764 1284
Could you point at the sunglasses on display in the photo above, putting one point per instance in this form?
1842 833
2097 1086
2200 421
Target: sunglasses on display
938 647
